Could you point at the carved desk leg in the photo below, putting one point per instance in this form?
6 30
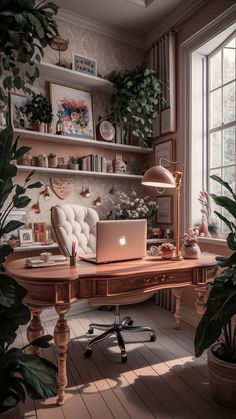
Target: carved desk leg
35 328
202 290
178 295
62 337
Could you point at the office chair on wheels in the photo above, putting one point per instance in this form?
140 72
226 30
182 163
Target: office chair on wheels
77 223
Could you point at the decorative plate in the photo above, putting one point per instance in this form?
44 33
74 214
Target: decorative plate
105 131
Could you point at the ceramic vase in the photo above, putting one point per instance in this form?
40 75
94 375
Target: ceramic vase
190 251
167 255
203 228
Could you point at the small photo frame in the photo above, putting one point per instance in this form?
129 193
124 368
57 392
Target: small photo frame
165 209
39 231
26 236
17 110
165 150
84 64
74 108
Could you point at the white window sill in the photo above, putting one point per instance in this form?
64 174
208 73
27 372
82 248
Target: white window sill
210 240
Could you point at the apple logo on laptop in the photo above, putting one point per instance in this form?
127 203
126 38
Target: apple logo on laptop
122 241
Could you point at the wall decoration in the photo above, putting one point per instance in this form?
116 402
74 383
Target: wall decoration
84 64
165 209
62 187
25 236
39 231
59 44
18 111
74 108
166 150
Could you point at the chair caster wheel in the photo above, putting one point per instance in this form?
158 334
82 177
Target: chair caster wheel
124 358
130 323
153 338
88 353
90 331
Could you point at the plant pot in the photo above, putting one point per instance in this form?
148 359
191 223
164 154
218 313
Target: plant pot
74 166
190 251
16 412
167 255
40 127
222 377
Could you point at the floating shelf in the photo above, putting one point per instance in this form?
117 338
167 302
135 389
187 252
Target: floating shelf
65 139
52 72
77 172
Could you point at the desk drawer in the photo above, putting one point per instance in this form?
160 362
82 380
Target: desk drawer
121 285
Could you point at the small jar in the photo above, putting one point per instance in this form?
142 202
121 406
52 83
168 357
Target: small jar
40 160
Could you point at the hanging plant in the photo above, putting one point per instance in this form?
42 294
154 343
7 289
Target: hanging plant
25 30
137 93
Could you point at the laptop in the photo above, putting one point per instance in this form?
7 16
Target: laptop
119 240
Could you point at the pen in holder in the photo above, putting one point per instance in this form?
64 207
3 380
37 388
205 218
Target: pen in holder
72 254
72 260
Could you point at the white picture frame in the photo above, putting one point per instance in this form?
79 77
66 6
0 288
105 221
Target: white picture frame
26 236
84 64
165 209
15 215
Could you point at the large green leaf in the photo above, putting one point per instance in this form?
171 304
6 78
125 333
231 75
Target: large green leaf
21 202
225 202
231 241
229 224
41 377
11 357
11 226
220 308
223 183
42 341
226 261
5 250
21 152
11 292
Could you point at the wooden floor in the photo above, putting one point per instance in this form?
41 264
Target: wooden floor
161 379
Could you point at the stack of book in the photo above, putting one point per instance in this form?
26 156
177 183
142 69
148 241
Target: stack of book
94 163
124 135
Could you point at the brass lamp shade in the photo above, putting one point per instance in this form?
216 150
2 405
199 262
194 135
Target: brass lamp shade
58 43
159 177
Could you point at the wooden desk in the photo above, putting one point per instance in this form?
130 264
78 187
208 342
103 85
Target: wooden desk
128 282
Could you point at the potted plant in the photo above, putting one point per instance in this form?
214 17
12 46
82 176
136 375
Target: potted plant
26 28
73 163
39 111
167 250
217 328
12 196
20 373
52 160
137 93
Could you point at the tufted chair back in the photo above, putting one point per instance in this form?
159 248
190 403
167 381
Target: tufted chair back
74 223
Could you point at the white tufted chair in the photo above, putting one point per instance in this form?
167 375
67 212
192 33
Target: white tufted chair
77 223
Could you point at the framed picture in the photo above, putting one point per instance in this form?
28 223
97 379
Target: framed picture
39 231
84 64
17 110
26 236
165 150
165 209
15 215
74 108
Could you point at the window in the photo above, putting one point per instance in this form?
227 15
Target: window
221 118
212 145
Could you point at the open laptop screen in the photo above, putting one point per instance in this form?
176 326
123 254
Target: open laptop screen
120 240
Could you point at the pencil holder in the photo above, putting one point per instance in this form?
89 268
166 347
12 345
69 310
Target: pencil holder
72 260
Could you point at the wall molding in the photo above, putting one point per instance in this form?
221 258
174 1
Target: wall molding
100 28
174 18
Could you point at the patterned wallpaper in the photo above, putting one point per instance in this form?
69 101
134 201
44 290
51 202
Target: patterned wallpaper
110 55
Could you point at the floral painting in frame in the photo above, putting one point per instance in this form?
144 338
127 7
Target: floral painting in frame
74 108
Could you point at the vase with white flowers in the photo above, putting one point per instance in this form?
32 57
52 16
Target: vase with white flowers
132 207
167 250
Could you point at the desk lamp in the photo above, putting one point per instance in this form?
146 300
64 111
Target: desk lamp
159 177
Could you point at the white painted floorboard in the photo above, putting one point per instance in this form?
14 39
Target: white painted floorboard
161 379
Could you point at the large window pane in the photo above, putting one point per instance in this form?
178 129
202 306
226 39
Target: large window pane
229 102
216 108
229 146
215 71
229 61
229 176
215 149
215 187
